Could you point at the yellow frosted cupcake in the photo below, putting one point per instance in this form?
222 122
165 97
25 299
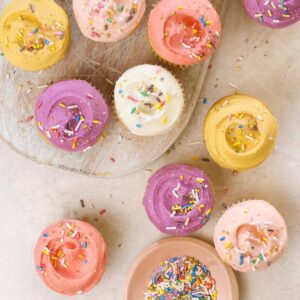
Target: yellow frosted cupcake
240 132
34 34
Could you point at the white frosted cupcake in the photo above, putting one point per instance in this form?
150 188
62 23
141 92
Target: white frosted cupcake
148 100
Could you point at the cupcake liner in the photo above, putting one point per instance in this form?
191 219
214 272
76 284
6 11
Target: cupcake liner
115 111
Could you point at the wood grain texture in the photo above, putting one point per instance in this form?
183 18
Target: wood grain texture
120 152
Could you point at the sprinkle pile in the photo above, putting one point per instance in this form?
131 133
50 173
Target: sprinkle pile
182 278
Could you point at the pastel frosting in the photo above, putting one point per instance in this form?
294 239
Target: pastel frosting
251 235
184 32
179 199
71 115
275 13
34 34
179 278
70 257
108 20
148 100
240 132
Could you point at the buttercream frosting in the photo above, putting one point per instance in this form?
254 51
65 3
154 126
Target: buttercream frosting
108 20
148 100
179 199
34 34
275 13
184 32
71 115
240 132
70 257
250 235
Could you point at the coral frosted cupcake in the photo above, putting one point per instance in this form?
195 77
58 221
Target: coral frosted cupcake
251 235
108 20
148 100
34 34
240 132
71 115
70 257
184 32
273 14
179 199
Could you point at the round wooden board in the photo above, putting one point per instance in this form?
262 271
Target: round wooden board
145 264
100 64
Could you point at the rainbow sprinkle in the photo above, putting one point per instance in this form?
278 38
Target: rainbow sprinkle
181 278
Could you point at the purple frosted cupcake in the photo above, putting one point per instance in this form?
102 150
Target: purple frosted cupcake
71 115
179 199
275 13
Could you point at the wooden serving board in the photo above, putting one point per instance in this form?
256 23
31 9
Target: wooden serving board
101 64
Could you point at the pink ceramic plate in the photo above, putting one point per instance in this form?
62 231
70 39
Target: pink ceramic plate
142 269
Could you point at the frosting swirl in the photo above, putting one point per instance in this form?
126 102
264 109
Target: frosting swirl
108 20
250 235
148 100
70 257
184 32
179 199
274 14
31 37
240 132
71 115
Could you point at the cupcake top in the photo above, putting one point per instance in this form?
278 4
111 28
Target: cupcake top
71 115
274 14
148 100
179 199
70 257
108 20
34 34
240 132
184 32
250 235
187 272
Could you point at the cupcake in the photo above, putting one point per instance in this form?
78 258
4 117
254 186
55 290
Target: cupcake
71 115
179 199
251 236
184 32
108 20
148 100
34 34
180 268
273 14
240 132
70 257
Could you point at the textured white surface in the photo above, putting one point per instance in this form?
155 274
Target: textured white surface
33 196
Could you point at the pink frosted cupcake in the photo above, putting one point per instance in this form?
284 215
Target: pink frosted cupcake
70 257
71 115
184 32
275 13
251 235
108 20
179 199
